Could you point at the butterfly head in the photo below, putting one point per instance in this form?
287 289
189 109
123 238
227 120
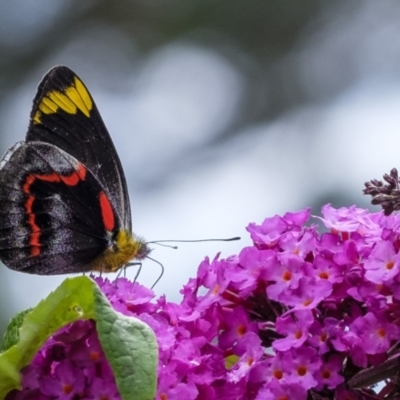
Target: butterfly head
142 249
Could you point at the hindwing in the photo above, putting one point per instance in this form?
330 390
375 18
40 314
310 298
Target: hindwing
55 217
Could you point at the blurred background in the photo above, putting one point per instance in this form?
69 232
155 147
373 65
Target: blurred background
223 112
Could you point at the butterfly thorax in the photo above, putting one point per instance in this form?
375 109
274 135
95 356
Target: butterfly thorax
122 249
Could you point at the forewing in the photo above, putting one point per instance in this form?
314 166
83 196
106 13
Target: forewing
65 115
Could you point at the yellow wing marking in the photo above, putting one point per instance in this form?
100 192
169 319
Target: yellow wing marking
48 106
63 101
36 117
74 97
85 96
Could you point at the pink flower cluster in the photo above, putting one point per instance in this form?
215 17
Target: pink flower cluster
71 365
298 312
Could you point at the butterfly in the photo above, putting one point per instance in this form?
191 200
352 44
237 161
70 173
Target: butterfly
64 203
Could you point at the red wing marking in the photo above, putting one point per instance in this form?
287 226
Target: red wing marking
81 171
107 212
54 177
28 182
70 180
34 236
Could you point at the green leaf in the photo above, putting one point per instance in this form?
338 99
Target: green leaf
131 349
11 336
72 300
129 344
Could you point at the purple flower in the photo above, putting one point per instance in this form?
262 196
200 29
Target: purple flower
345 219
68 381
284 275
237 323
254 266
329 373
375 332
251 352
296 312
383 263
295 328
301 365
100 389
281 390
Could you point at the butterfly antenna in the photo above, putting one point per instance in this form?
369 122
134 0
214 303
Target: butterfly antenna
164 245
161 242
162 270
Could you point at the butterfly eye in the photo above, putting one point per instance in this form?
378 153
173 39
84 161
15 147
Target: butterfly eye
143 250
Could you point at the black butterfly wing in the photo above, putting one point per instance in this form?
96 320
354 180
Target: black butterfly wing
51 215
65 115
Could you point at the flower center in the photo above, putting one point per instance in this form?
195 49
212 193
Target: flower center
302 370
94 355
278 374
324 275
216 289
389 265
287 276
381 332
298 334
67 388
326 374
241 330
